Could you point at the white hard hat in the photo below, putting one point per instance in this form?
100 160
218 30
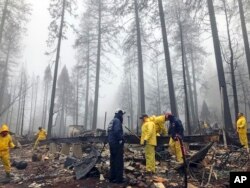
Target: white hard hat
118 110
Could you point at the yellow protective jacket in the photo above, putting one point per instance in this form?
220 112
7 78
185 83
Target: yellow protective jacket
41 135
159 124
148 132
5 142
242 125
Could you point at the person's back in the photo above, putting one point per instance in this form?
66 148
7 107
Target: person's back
175 127
42 134
176 133
115 131
116 144
159 124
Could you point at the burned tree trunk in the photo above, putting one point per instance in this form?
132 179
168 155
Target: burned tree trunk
87 87
131 99
94 122
194 87
3 19
232 66
244 33
220 69
23 107
184 79
34 112
140 62
190 92
4 78
171 89
53 93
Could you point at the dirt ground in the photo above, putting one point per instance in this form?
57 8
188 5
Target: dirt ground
50 172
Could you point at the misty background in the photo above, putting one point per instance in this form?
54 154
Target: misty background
124 38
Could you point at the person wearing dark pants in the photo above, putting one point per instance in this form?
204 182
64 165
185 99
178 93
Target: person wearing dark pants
116 163
116 145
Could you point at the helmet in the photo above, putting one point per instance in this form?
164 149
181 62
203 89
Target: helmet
118 110
4 128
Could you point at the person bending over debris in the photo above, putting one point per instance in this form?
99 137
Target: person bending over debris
5 144
160 124
116 144
175 131
242 130
148 139
41 135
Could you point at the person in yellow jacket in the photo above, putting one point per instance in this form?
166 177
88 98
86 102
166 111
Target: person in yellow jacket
5 145
148 139
242 130
41 135
160 124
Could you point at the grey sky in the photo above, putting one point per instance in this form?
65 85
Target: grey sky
36 61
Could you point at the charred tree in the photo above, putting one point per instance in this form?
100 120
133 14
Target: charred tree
5 76
94 122
244 33
231 63
53 93
47 82
87 88
35 103
131 99
3 19
140 61
23 106
171 89
220 69
184 79
194 87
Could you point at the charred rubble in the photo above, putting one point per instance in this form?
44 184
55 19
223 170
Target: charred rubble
84 162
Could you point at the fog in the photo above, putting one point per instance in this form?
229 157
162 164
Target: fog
120 85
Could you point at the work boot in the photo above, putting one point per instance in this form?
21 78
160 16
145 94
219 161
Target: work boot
121 181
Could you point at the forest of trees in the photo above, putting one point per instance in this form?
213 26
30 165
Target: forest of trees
190 57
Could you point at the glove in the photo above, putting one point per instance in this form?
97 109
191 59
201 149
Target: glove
177 137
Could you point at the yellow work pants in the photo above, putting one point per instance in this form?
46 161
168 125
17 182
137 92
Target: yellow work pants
37 142
175 149
5 158
243 139
150 158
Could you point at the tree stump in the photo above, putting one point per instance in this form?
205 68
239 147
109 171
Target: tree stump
77 150
65 149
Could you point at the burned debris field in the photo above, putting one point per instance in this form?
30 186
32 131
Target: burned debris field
67 162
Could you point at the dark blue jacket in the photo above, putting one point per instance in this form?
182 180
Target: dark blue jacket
175 127
115 130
